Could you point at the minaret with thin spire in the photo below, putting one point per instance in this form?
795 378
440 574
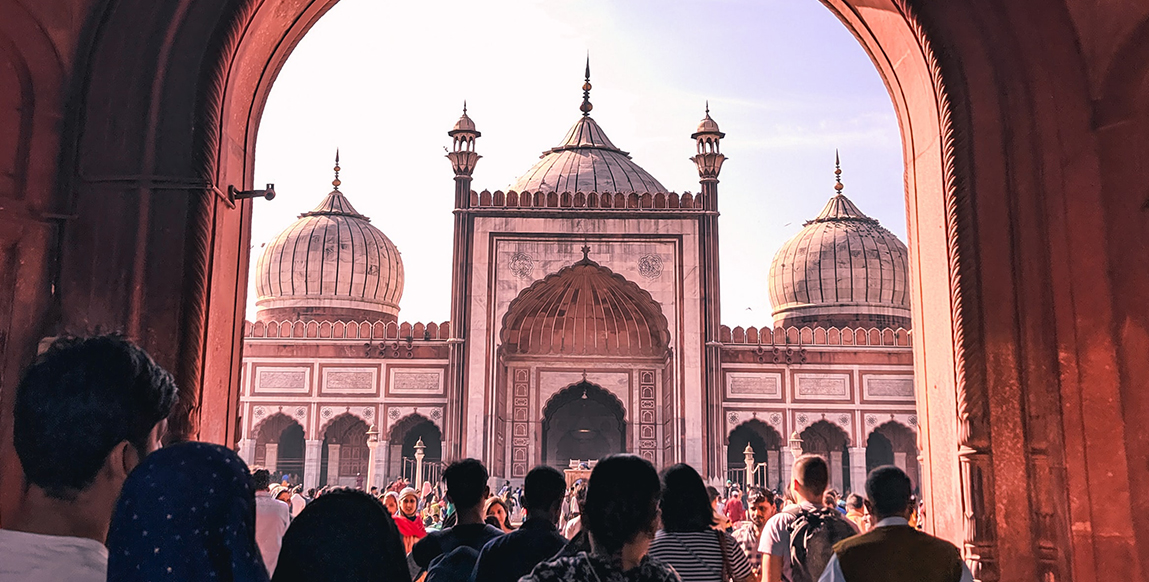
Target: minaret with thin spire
463 157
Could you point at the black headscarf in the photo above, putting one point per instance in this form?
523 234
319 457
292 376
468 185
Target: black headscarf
187 513
343 536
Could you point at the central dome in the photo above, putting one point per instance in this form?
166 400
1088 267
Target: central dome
587 161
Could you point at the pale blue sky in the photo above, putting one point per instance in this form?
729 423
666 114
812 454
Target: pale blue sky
385 81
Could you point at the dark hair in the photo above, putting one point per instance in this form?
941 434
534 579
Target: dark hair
621 500
344 535
543 488
685 504
465 482
812 472
81 399
756 495
260 478
712 493
889 490
855 501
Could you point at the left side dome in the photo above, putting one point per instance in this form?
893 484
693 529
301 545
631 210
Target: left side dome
331 264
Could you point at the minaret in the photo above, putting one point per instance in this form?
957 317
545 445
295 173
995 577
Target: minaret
709 158
709 161
463 159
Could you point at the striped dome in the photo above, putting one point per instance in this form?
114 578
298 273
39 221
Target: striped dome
842 269
585 309
586 161
330 264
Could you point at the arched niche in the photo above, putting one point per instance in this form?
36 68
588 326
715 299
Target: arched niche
767 444
829 441
404 434
582 422
286 436
345 454
893 443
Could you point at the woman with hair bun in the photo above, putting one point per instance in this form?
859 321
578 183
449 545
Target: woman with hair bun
619 517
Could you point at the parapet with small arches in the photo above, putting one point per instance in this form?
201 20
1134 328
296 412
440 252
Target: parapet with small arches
337 330
817 336
661 201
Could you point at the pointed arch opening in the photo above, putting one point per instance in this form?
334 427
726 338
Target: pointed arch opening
766 443
582 422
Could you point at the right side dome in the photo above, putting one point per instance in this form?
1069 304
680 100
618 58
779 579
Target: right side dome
843 269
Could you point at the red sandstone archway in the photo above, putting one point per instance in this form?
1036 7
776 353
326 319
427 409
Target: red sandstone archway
1019 121
767 444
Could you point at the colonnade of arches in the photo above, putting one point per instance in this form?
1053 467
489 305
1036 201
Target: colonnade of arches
891 443
341 455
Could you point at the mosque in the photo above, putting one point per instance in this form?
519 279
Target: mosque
584 321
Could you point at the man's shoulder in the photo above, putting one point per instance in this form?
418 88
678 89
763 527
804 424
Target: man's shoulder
31 556
898 536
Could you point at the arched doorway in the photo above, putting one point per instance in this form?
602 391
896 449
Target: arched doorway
279 446
894 444
582 423
402 439
993 337
345 452
767 446
831 442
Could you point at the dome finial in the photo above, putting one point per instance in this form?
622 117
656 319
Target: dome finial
708 108
464 107
837 172
336 181
586 106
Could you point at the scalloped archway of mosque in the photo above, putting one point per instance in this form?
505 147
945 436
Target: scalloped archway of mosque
404 435
893 443
832 443
585 309
582 422
767 445
279 445
345 452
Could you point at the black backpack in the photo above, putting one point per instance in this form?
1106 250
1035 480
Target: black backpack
813 534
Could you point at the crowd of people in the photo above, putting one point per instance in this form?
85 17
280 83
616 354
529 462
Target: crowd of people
104 501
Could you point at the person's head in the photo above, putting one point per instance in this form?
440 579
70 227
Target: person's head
466 484
260 479
345 535
621 502
408 501
830 498
761 503
311 493
890 493
87 411
543 494
391 502
736 494
284 495
187 513
496 508
855 502
685 504
811 475
374 490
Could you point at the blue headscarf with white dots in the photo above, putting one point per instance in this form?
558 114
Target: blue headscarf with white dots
187 513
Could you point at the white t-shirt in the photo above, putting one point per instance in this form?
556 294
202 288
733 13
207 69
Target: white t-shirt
271 519
29 557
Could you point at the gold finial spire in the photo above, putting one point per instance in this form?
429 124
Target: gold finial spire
586 106
837 172
336 181
464 107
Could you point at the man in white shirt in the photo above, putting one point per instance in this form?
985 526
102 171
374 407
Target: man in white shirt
86 413
271 519
893 550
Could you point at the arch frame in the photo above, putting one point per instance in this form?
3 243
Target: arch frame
565 396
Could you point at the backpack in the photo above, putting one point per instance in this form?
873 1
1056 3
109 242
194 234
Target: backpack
813 534
454 566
